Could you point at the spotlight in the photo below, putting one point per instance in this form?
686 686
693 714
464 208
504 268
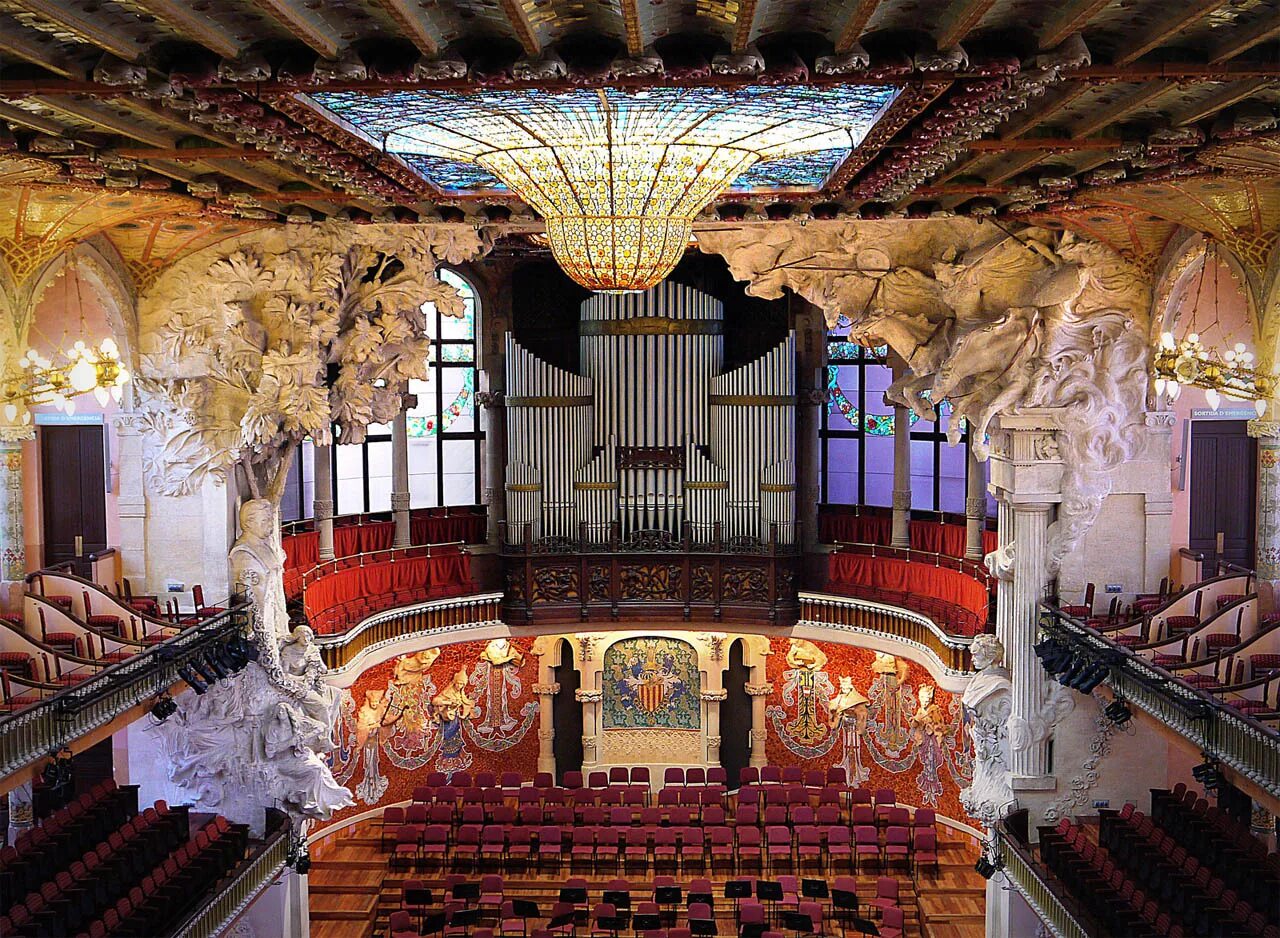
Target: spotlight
1071 674
1118 712
1090 678
163 708
985 867
210 658
201 667
188 674
244 647
1207 774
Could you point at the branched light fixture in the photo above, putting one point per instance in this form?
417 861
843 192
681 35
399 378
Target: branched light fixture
1189 360
617 175
37 379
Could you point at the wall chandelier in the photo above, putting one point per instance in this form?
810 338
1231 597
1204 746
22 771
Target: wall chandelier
37 379
618 176
1190 361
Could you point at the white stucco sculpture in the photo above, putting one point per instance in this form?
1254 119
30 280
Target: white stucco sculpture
987 703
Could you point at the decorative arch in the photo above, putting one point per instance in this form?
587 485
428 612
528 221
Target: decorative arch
1185 257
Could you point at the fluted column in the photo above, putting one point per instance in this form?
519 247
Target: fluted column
1267 547
322 500
759 694
901 477
975 508
1003 571
546 726
1030 527
400 472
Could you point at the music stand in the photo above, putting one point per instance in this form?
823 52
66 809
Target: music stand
434 922
797 922
525 908
464 918
574 894
867 928
703 926
845 904
620 899
736 889
468 891
612 923
752 930
768 891
561 920
814 889
667 895
706 897
646 921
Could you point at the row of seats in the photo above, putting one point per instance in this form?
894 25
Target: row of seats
756 904
621 775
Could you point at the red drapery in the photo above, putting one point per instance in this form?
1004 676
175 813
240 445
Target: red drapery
889 575
932 536
336 600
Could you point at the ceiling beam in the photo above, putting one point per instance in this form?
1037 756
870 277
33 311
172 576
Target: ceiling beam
1237 39
853 27
16 115
1043 144
306 26
1179 16
107 120
1100 118
415 22
1231 94
203 29
524 30
632 27
86 28
1072 17
959 20
744 24
192 154
15 40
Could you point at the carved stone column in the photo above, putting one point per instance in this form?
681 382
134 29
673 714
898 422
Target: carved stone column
546 726
1267 559
1030 759
712 700
13 549
901 477
759 694
400 471
322 500
495 465
811 367
975 508
590 700
131 502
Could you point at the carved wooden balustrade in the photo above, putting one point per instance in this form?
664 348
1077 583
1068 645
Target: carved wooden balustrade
862 616
700 575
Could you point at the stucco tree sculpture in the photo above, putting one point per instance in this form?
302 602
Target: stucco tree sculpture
247 351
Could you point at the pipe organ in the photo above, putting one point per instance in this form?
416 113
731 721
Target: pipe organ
653 433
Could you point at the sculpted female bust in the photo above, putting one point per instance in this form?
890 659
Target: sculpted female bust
257 565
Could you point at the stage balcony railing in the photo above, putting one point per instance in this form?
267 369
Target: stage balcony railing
1222 732
784 539
49 724
862 616
1038 887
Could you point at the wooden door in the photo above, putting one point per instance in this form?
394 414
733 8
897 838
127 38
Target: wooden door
1224 480
73 483
566 715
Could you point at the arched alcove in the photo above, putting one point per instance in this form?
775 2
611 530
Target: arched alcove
735 713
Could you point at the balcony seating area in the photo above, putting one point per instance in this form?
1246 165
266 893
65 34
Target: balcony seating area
863 525
953 593
613 821
99 867
341 593
363 534
1180 871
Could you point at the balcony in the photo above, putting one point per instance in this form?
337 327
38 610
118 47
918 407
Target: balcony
866 617
1224 732
602 575
1014 856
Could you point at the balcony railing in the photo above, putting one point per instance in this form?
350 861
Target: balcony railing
863 616
55 721
1022 871
710 538
222 908
1249 747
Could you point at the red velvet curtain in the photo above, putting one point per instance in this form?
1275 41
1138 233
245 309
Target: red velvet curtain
888 573
391 582
931 536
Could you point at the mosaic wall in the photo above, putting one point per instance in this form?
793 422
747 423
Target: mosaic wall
468 707
882 718
651 683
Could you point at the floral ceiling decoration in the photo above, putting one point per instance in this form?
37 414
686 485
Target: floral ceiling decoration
618 175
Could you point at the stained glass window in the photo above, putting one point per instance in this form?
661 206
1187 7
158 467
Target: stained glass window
857 436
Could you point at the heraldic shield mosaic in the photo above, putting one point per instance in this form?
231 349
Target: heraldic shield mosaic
651 683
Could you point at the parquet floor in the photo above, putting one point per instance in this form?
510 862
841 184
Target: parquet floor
353 890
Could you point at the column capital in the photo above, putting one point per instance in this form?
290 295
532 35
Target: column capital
399 501
1264 429
587 696
975 507
902 499
759 690
546 690
714 695
322 508
491 400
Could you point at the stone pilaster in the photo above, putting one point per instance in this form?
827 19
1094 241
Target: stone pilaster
590 700
901 477
546 726
131 502
975 507
400 472
322 502
712 701
759 694
1267 553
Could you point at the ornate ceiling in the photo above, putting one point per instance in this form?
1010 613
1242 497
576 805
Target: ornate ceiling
166 125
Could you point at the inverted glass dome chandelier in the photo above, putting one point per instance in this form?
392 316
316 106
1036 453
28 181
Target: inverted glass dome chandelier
618 176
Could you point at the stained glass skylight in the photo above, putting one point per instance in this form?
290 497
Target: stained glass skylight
617 175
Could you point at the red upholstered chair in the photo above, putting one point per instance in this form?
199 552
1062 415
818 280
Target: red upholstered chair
749 775
749 846
401 926
926 848
867 844
886 896
778 845
839 844
665 848
897 845
550 844
619 775
891 924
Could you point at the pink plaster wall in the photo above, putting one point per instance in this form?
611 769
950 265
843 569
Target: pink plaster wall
57 325
1234 325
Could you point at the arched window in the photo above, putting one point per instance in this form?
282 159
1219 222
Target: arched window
857 436
444 435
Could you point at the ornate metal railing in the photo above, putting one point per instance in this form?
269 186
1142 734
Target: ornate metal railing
865 617
783 540
442 615
1022 871
51 723
1224 733
221 909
